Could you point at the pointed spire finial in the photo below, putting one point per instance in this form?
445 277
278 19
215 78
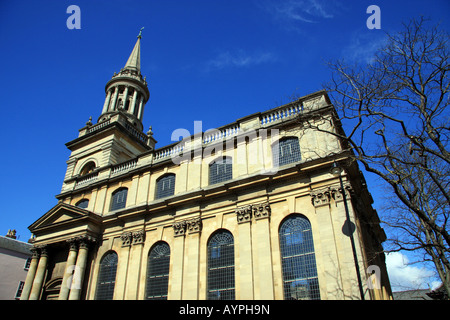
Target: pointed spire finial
140 33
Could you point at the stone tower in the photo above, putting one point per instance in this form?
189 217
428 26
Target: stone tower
118 134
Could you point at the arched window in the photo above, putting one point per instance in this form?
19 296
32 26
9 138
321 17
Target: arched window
298 260
87 168
158 272
119 199
287 150
82 204
165 186
220 170
107 277
221 266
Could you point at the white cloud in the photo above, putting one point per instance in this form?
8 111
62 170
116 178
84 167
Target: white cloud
309 11
239 58
404 276
362 47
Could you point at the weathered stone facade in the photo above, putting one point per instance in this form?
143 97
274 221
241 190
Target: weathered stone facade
109 204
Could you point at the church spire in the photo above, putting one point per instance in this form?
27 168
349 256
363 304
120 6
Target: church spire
127 91
134 61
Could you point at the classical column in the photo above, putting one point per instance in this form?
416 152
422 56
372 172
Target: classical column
261 233
192 261
112 106
133 103
68 273
40 274
80 268
124 97
106 105
31 274
177 262
134 268
332 285
244 217
141 108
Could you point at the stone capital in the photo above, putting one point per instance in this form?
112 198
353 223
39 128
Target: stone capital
179 228
244 214
320 197
261 210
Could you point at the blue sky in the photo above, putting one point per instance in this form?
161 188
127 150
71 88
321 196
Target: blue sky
214 61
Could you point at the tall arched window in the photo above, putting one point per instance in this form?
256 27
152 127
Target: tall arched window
221 266
119 199
287 150
165 186
298 260
220 170
107 277
158 272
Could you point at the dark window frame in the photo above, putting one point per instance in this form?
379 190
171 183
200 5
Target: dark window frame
220 170
298 262
221 284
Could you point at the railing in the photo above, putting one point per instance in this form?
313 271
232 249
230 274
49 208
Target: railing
98 126
218 134
168 151
276 115
91 177
138 134
125 166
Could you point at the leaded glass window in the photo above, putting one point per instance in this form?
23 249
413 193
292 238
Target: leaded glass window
158 272
119 199
165 186
286 151
221 266
221 170
298 260
107 277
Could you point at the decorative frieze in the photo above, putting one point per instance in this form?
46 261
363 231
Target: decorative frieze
258 211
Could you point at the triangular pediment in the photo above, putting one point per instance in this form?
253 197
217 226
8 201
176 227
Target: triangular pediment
59 214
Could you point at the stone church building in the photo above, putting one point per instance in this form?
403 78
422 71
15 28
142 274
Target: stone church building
254 209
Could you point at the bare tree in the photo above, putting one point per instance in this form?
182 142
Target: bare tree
396 117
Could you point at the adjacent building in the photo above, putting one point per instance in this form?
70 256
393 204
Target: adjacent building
15 259
250 210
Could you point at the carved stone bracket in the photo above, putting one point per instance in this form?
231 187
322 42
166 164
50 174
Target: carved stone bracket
258 211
